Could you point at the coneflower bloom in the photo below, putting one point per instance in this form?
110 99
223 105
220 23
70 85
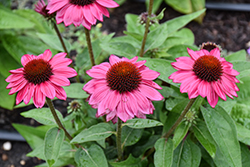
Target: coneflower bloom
207 74
41 76
40 7
122 88
78 12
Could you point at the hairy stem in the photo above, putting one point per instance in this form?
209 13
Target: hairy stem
189 105
88 39
146 28
119 138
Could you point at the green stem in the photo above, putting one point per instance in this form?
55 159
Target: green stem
189 105
58 122
146 28
88 39
64 47
119 138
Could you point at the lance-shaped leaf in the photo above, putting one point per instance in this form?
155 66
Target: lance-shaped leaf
142 123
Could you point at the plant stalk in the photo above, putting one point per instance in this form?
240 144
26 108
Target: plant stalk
119 138
189 105
146 28
88 39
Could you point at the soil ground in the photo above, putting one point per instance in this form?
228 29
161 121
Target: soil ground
229 29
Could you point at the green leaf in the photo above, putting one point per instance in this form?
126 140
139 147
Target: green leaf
33 136
6 101
120 49
163 153
91 157
133 25
10 20
244 93
94 133
52 144
245 155
238 56
203 135
14 46
241 114
180 132
223 130
130 136
180 50
160 33
243 134
130 162
187 154
42 115
156 5
177 23
74 90
162 66
141 123
54 42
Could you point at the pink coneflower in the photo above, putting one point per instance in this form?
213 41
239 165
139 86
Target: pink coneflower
41 76
78 12
207 74
122 88
40 7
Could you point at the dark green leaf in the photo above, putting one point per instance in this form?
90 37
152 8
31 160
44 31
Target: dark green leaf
74 90
91 157
243 134
141 123
163 153
42 115
6 101
180 132
130 136
130 162
245 155
94 133
223 130
52 145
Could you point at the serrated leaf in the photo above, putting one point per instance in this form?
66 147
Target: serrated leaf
91 157
130 136
141 123
42 115
203 135
74 90
163 153
52 145
94 133
223 130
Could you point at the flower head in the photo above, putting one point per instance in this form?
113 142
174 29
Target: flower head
40 7
122 88
41 76
78 12
207 74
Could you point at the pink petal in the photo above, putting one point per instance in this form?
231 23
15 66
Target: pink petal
215 52
96 73
58 58
60 92
18 87
56 5
101 109
218 91
151 84
102 9
95 11
193 91
17 71
48 90
150 92
204 88
46 55
202 52
112 116
121 112
132 106
231 72
93 84
59 80
108 3
21 94
30 93
99 94
114 97
38 98
103 66
193 54
140 63
78 15
68 15
183 63
113 59
185 85
149 74
212 98
26 58
180 76
88 15
65 71
141 100
14 77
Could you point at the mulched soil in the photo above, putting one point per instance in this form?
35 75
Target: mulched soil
229 29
